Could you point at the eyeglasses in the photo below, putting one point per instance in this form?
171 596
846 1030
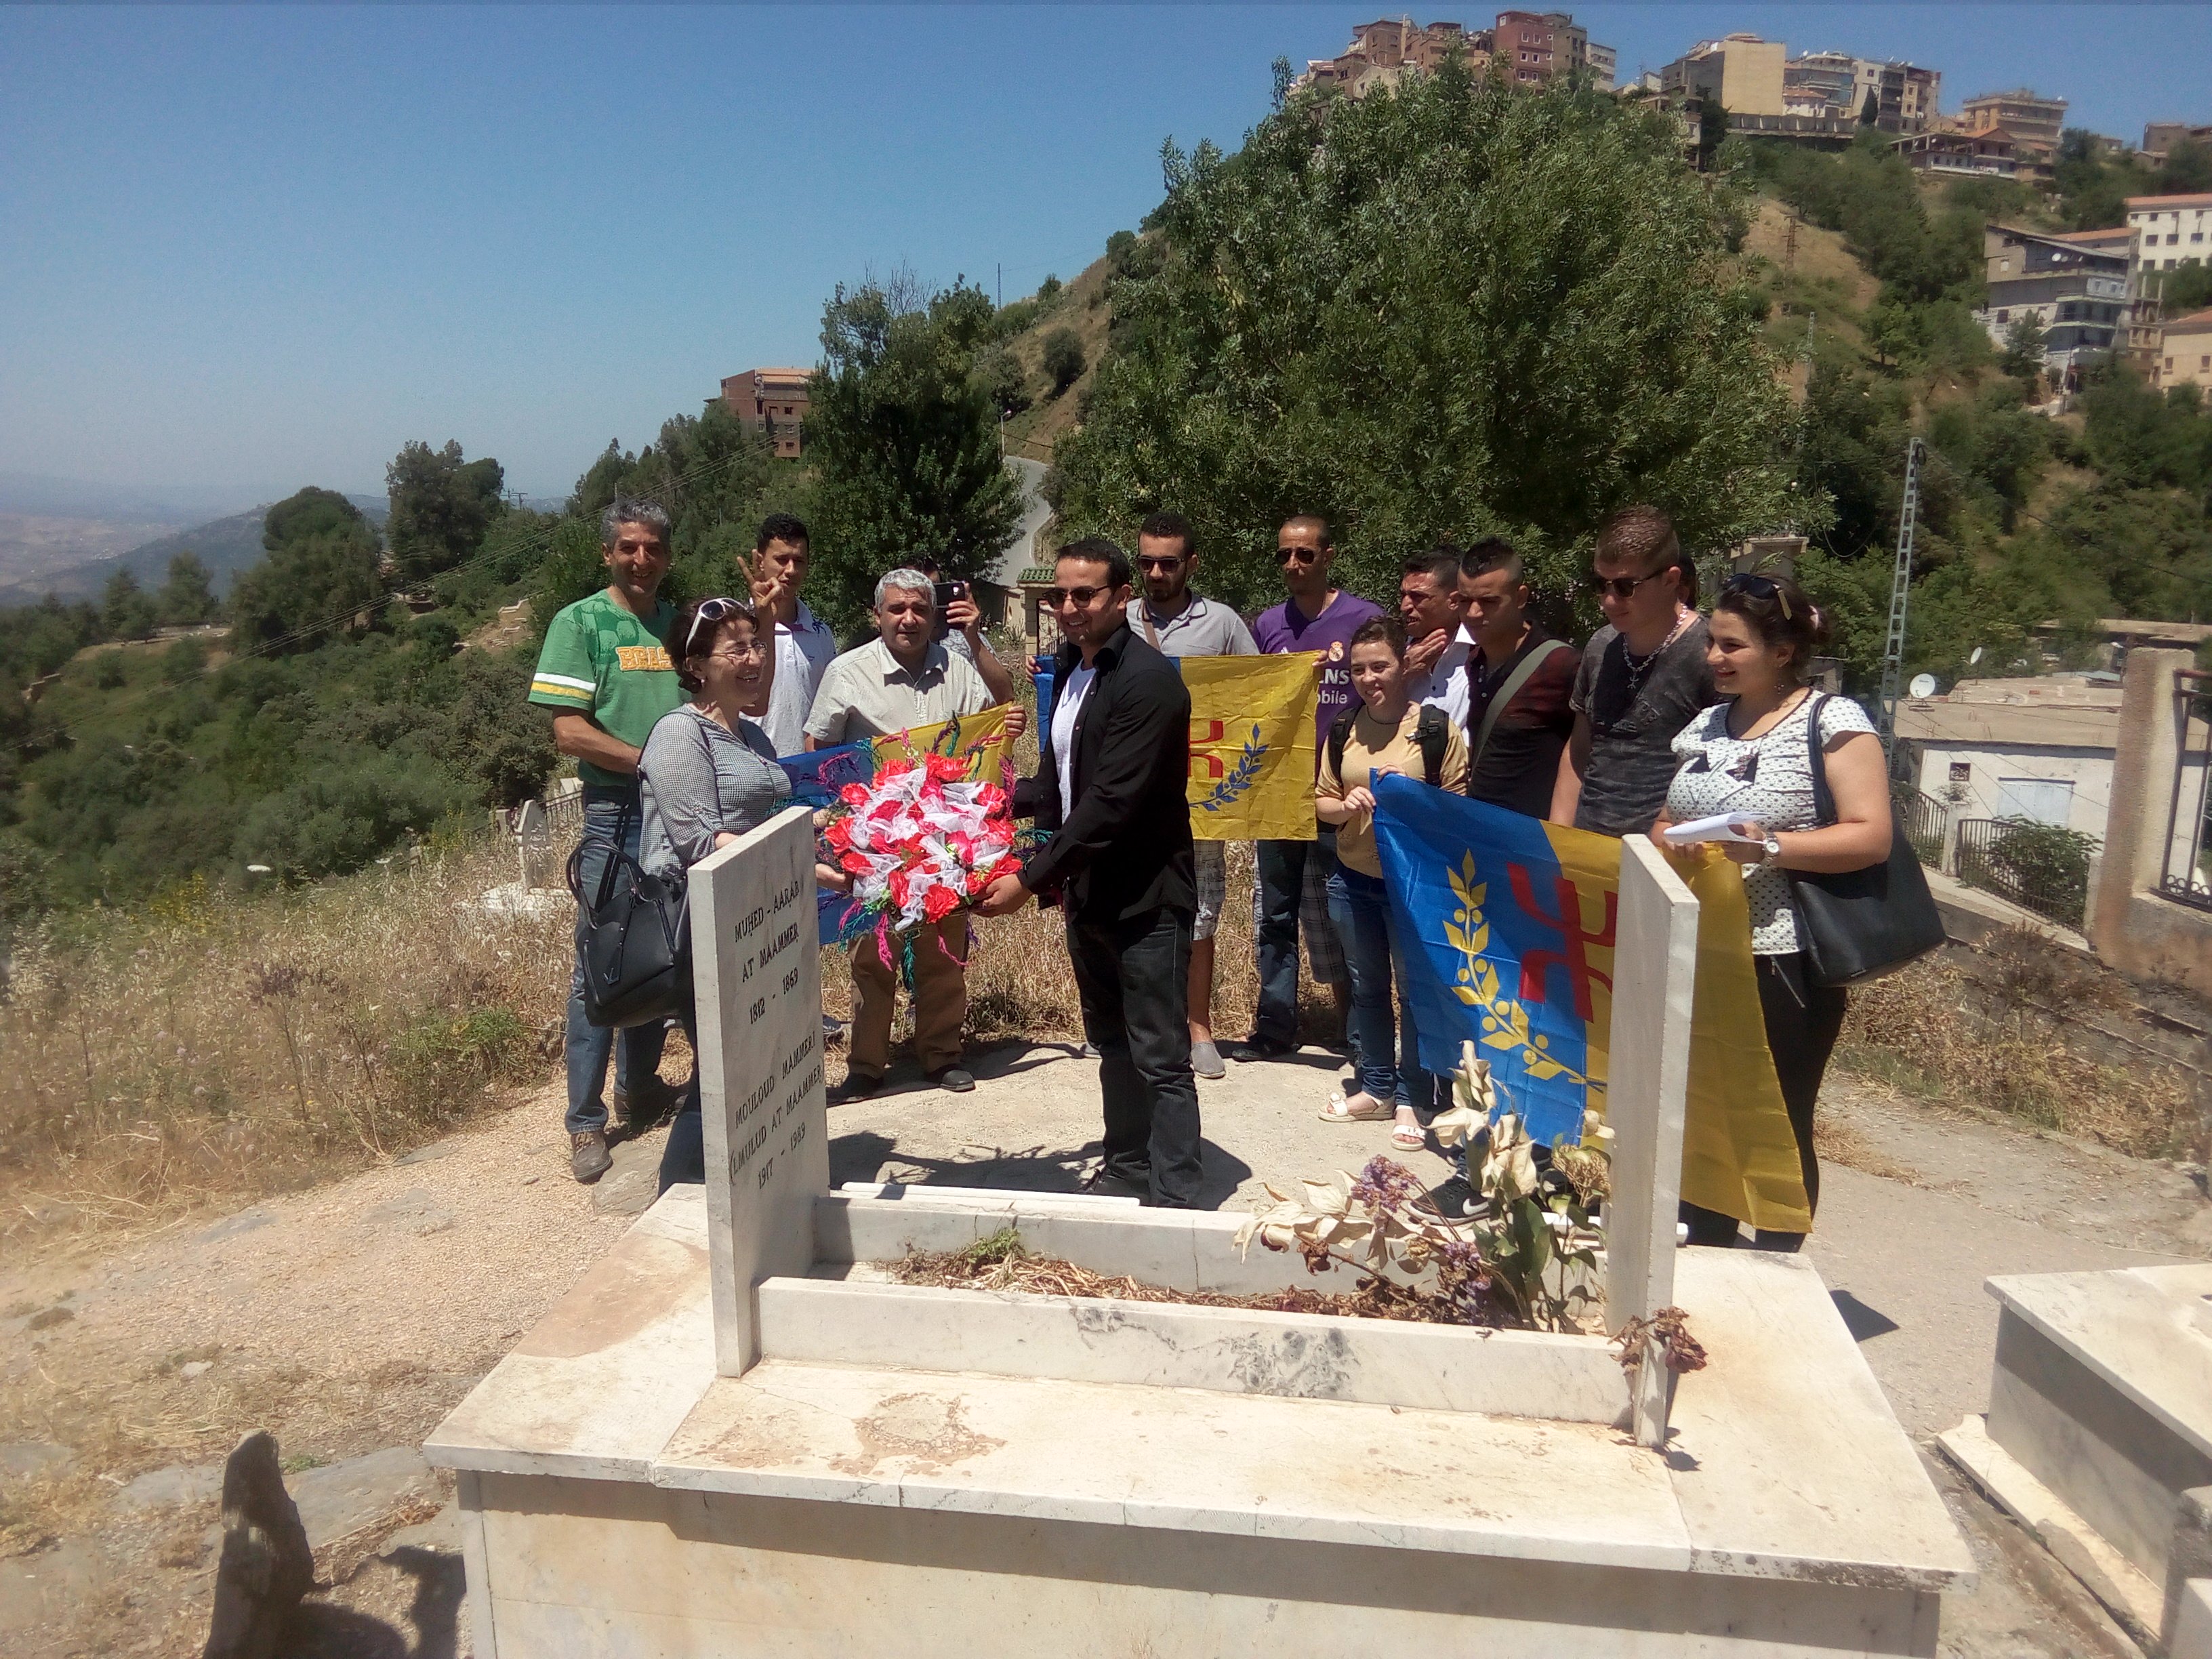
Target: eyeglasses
1302 555
1623 588
710 613
1758 587
754 647
1080 598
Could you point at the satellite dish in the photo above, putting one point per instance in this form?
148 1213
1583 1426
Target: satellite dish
1976 655
1923 685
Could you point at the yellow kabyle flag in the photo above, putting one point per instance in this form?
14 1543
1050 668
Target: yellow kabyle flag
1252 746
979 739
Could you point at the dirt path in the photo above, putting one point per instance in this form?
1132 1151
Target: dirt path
348 1320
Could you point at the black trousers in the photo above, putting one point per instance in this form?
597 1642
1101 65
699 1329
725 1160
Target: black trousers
1131 974
1802 1020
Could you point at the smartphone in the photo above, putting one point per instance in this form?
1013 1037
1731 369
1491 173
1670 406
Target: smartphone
946 592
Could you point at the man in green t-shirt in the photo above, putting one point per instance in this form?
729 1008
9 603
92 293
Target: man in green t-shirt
604 672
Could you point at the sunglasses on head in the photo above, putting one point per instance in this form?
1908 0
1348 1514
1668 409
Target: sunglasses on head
1758 587
1623 588
710 613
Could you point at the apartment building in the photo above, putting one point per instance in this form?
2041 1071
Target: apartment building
2160 137
2075 290
1528 48
2033 123
1741 72
2185 352
2169 231
772 400
1905 96
1971 154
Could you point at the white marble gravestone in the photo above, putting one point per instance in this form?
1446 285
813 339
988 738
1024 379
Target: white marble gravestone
735 1436
759 983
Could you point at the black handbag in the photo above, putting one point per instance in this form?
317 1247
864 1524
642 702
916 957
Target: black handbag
637 939
1856 925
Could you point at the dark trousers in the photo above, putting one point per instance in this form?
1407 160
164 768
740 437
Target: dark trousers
1803 1021
1282 866
1132 976
684 1154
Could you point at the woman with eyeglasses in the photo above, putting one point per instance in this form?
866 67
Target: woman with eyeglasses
1386 732
1752 755
708 775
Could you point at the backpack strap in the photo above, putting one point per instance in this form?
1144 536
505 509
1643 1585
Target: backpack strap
1339 731
1431 734
1522 673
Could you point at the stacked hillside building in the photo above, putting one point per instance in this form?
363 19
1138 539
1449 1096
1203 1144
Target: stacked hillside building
1526 47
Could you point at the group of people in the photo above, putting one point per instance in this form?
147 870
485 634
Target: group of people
1665 714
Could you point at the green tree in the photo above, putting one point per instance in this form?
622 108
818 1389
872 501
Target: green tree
320 573
187 597
2186 171
1000 374
904 440
1063 358
126 612
2185 289
2023 349
1456 309
441 504
1869 109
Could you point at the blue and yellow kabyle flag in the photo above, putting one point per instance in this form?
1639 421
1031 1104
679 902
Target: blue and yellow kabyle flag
1514 919
1252 746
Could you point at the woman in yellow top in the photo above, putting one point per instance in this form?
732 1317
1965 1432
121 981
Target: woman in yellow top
1386 733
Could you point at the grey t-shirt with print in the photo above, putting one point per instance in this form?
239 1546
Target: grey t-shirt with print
1633 717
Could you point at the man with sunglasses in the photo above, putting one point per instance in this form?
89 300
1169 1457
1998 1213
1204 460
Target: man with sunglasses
902 678
1320 618
1643 678
1177 623
604 670
1110 785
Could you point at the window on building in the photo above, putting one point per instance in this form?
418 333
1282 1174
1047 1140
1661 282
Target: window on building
2171 237
1962 771
2169 365
2203 364
2004 316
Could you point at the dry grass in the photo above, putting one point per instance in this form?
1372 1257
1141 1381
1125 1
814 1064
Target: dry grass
207 1049
1934 1031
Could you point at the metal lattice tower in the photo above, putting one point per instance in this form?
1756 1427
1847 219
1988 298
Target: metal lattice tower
1900 581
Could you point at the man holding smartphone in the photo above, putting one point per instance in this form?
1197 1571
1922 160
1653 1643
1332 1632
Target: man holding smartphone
960 629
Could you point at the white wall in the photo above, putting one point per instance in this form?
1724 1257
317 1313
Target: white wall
2088 770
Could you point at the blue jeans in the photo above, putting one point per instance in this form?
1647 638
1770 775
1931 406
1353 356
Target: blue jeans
588 1045
1359 905
1282 883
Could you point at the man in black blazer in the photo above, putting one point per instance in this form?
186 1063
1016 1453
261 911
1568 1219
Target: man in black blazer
1110 785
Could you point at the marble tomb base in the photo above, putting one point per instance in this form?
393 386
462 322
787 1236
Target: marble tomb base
1127 1480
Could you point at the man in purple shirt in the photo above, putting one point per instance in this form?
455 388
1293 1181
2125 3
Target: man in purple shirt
1320 617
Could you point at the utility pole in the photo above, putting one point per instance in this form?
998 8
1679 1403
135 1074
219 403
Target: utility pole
1900 581
1001 269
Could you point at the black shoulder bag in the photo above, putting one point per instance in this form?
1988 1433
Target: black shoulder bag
636 938
1855 925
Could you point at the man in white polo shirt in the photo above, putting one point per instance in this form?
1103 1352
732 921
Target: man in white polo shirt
804 644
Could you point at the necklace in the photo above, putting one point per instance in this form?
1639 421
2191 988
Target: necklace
1638 667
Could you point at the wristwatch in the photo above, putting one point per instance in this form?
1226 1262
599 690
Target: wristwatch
1773 849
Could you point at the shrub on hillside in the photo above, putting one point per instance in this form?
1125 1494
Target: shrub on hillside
332 822
1063 358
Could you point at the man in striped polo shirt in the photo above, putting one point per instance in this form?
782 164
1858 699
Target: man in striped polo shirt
605 672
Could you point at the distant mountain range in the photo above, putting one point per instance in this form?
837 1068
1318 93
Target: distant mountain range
72 555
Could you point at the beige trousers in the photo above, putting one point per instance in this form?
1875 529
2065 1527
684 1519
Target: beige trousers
940 998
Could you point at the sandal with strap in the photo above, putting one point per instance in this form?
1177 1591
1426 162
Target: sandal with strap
1340 1111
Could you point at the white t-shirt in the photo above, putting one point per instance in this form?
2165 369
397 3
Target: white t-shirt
1770 777
1065 713
1444 686
804 648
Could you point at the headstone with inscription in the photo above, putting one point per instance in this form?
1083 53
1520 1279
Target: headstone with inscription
758 974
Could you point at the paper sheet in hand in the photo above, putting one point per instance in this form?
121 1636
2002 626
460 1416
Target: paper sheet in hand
1729 826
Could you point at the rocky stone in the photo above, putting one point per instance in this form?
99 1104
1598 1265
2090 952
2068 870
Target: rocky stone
630 1187
21 1458
341 1498
46 1318
415 1211
192 1369
429 1154
161 1488
231 1226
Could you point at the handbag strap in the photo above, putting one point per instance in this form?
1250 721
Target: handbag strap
1522 673
1816 762
615 856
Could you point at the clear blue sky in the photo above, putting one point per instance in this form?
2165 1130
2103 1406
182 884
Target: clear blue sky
264 247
